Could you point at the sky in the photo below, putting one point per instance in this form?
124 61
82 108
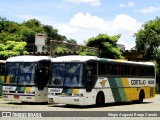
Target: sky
83 19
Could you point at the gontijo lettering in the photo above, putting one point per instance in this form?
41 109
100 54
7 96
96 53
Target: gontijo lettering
138 82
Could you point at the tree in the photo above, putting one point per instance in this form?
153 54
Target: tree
72 41
25 32
32 23
52 34
148 39
107 45
12 48
29 28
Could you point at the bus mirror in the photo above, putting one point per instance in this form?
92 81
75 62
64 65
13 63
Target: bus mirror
89 80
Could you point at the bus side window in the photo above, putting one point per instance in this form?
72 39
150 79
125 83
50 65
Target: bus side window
137 71
146 71
151 71
142 71
118 69
133 70
115 69
126 70
102 69
93 66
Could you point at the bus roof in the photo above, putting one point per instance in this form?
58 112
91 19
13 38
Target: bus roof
125 61
73 58
2 61
27 58
78 58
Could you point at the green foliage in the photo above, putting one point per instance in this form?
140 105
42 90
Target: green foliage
65 46
15 37
11 31
27 34
6 54
148 39
61 49
32 23
107 45
2 47
12 48
157 66
20 47
86 51
72 41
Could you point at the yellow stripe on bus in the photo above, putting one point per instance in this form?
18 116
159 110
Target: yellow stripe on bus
28 89
75 91
8 80
131 93
125 82
2 78
149 92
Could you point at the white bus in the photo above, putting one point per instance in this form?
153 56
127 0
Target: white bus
26 78
88 80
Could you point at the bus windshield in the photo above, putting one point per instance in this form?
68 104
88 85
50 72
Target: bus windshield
67 74
27 73
20 73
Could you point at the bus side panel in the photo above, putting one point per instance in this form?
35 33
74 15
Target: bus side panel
149 92
131 92
104 85
112 88
118 90
122 90
153 91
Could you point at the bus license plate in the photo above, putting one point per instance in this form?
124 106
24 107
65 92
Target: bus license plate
16 96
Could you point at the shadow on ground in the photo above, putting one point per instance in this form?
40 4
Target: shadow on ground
94 106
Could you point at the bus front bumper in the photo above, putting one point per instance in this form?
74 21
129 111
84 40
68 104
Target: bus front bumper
70 100
19 98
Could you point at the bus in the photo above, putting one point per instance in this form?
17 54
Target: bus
26 78
2 72
89 80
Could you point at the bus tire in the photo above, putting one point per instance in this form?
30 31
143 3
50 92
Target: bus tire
141 96
100 100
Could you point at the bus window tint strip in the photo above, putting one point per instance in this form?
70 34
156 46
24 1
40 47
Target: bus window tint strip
125 70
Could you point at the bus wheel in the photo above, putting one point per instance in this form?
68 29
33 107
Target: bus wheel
100 99
141 96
